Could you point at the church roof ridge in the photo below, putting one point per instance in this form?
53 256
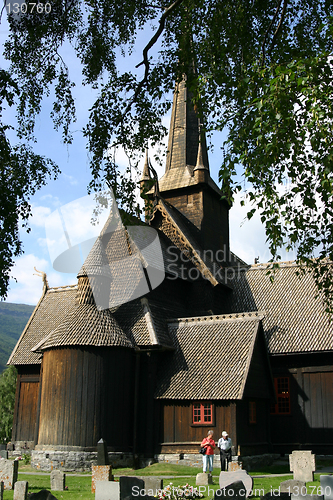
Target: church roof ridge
245 316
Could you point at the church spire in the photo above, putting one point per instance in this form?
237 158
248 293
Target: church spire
145 184
184 135
145 173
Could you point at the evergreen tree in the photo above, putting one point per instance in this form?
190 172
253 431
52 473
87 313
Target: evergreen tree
7 402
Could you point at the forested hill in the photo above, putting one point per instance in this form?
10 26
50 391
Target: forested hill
13 318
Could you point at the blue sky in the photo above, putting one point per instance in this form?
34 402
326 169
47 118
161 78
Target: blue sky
247 238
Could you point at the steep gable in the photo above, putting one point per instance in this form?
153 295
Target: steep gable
212 358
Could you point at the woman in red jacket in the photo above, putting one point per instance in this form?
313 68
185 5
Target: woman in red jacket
208 458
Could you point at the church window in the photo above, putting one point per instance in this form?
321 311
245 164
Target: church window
282 390
252 412
202 413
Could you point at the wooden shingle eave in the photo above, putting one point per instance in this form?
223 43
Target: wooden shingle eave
45 289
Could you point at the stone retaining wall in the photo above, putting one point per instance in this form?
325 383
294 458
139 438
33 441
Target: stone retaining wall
80 461
67 461
195 459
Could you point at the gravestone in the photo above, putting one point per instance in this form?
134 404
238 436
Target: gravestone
107 490
42 495
100 473
232 466
129 486
4 454
152 485
1 490
8 473
58 480
102 453
303 465
227 478
307 497
276 495
326 483
293 486
234 491
20 490
203 479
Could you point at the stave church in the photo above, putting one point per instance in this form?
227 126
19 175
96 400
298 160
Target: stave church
216 345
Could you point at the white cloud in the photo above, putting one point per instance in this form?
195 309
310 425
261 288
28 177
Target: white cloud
39 215
247 237
52 199
72 180
28 288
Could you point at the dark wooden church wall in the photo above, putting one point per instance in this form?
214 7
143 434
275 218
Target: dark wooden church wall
310 422
189 203
253 438
25 413
215 226
87 394
179 435
259 383
148 418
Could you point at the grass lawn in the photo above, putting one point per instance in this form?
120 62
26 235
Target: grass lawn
79 487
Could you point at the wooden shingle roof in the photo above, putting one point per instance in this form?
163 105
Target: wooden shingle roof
85 325
295 320
144 322
49 313
212 358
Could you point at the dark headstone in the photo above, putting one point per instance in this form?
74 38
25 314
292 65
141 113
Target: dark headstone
326 483
42 495
275 495
4 454
129 486
2 447
236 491
102 453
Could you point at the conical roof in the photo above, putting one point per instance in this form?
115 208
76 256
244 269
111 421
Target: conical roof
145 173
87 326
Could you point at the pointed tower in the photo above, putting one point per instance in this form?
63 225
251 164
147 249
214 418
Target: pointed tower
187 184
145 184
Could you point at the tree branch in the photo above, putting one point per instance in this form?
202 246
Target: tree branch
279 25
267 32
149 45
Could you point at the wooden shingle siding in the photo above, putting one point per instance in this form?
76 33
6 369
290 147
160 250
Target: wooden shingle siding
82 399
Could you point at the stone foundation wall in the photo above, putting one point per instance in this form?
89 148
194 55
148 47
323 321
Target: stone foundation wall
80 461
195 460
67 461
